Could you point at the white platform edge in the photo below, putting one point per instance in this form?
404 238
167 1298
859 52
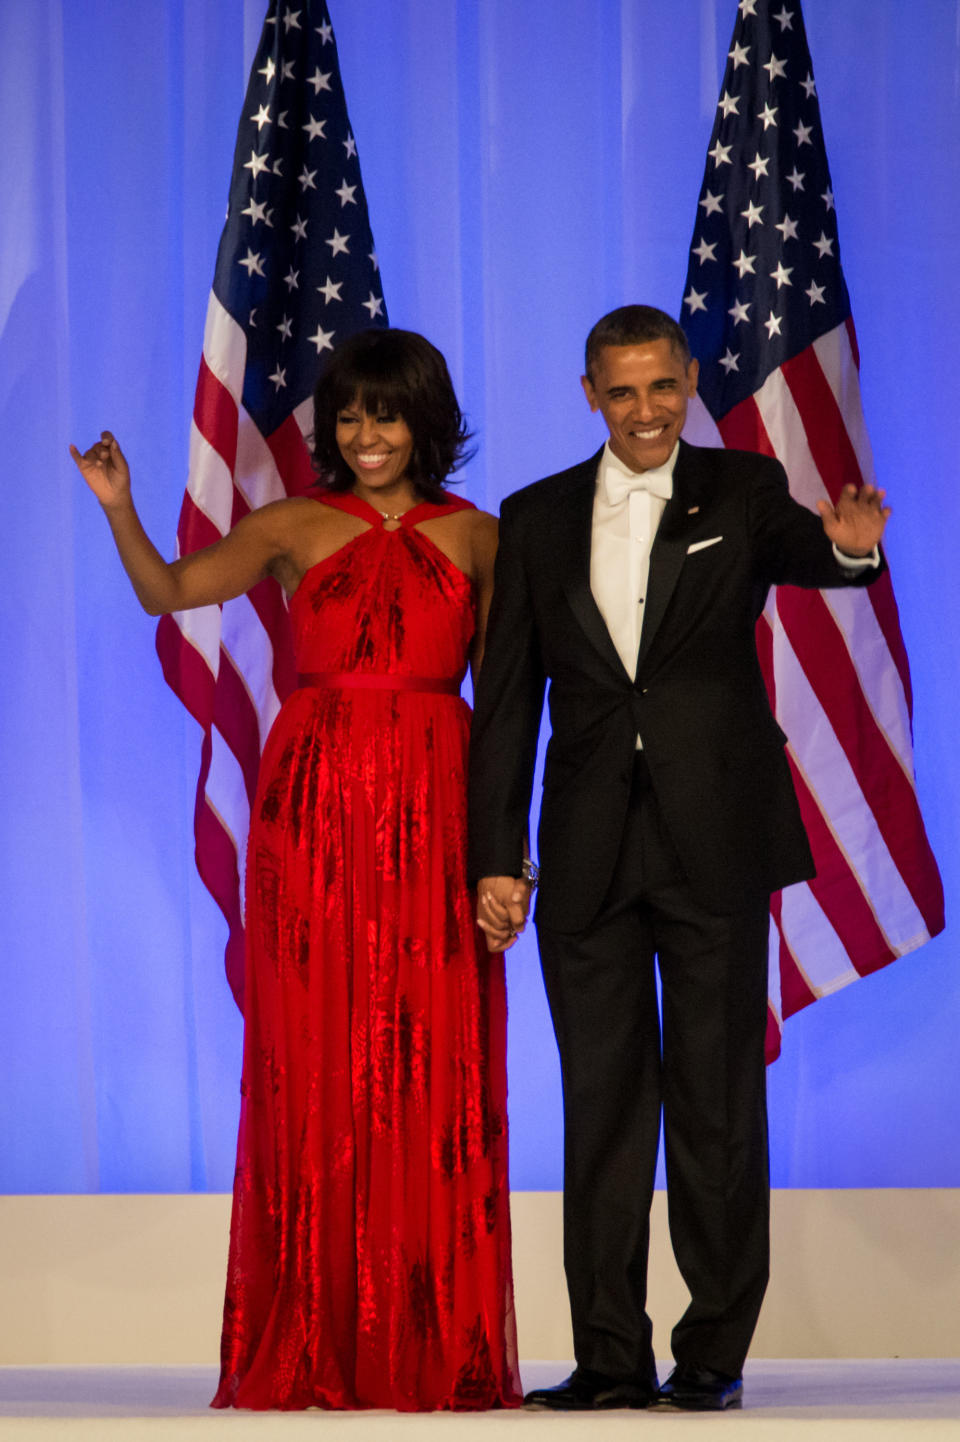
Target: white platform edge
850 1400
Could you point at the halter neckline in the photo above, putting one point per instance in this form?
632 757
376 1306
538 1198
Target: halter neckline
365 510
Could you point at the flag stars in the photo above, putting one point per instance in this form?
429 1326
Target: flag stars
803 133
330 290
748 7
374 304
729 361
752 214
740 55
720 154
712 204
350 146
307 179
784 19
815 293
269 70
286 328
277 166
261 118
257 211
346 194
759 166
796 179
282 120
824 246
253 261
696 300
827 198
787 228
740 310
338 243
772 324
704 251
299 228
291 20
319 81
323 340
315 129
807 86
286 70
776 69
372 257
768 115
279 378
257 163
325 31
743 264
292 279
728 104
782 274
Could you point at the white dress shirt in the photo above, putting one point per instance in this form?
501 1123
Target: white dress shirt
624 525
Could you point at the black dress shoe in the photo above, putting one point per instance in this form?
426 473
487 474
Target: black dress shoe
591 1391
700 1389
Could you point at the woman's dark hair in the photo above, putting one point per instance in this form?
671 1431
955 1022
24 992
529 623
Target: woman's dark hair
392 372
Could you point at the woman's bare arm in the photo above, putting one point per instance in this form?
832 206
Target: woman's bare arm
484 554
217 573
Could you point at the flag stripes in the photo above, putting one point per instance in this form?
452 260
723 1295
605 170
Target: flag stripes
280 299
768 317
231 665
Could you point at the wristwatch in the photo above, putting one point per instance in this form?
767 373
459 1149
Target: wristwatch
530 873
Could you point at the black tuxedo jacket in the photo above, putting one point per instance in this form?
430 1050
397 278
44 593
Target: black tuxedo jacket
714 749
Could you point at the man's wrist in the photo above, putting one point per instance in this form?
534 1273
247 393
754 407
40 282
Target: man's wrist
856 563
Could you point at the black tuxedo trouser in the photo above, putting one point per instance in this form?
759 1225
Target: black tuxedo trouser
707 1074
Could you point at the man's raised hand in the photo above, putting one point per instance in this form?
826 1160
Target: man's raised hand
856 523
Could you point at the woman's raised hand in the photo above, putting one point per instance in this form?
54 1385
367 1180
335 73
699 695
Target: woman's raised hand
105 470
206 577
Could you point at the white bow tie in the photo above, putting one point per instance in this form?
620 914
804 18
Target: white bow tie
621 484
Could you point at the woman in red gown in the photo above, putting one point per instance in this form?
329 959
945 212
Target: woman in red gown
370 1240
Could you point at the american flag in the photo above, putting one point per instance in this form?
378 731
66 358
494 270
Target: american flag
296 273
767 314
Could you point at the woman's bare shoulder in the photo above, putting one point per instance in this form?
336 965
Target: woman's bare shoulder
481 529
486 529
291 513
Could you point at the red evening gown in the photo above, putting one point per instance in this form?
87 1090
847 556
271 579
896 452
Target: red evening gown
370 1241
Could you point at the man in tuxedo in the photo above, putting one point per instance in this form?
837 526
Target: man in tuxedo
632 583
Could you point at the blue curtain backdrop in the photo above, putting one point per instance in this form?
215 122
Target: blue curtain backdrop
528 167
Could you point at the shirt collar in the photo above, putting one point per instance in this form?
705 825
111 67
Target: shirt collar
611 464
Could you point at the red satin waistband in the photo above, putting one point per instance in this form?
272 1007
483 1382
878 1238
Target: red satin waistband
367 681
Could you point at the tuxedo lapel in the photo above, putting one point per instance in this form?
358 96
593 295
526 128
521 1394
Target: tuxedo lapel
669 549
574 522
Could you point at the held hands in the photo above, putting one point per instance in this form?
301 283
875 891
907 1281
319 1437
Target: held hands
105 470
502 906
855 525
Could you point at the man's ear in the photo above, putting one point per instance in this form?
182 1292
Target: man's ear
589 392
693 373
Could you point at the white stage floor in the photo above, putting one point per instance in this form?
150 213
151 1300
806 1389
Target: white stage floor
848 1399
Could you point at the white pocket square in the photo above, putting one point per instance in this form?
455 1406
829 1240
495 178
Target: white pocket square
702 545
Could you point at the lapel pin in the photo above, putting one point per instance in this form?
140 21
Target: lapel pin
692 510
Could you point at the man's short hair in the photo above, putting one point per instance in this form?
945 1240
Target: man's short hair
634 325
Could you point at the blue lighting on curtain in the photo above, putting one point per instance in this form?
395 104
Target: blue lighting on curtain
527 168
